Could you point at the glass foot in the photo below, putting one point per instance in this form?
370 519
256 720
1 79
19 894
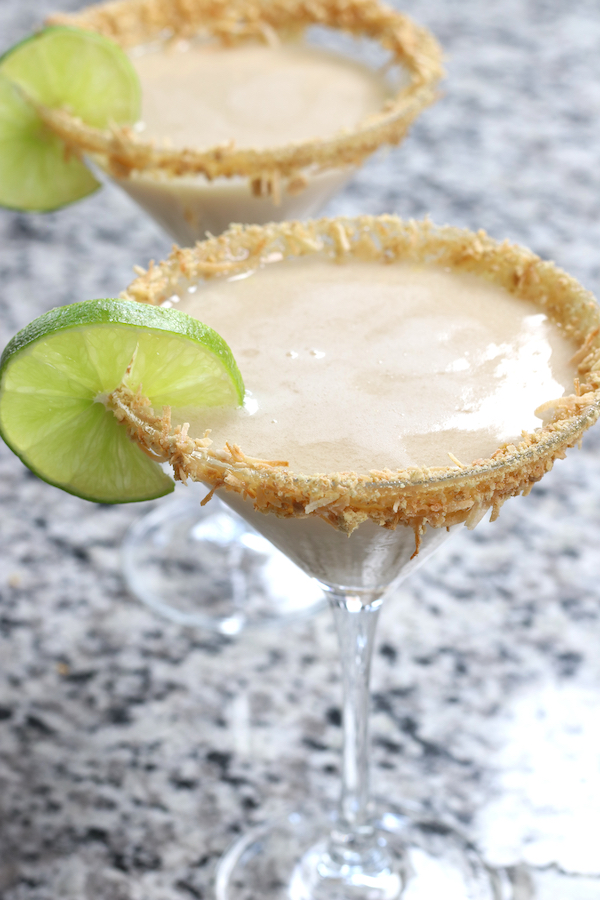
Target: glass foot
205 567
412 859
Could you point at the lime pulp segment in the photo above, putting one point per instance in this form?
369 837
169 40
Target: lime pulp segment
36 175
56 373
80 71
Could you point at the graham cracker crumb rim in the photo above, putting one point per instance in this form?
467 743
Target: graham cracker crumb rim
436 496
123 152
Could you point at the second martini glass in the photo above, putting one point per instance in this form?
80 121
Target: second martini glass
209 568
384 524
263 162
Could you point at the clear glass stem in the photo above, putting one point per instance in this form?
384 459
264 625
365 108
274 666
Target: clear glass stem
356 621
368 854
353 851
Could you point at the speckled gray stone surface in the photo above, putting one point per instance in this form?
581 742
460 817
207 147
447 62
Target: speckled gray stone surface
132 751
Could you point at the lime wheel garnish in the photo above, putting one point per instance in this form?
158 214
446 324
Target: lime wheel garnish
80 71
56 375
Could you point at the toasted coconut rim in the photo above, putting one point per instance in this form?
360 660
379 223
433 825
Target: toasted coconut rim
417 497
138 22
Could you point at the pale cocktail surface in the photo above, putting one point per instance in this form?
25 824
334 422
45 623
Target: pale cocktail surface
360 366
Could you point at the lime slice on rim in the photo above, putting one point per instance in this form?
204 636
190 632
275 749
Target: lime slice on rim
56 373
80 71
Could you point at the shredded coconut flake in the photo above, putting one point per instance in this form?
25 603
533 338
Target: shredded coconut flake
417 497
132 23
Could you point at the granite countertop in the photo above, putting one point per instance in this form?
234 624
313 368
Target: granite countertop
132 751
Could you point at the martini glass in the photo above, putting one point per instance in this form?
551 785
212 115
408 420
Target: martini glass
208 568
385 523
189 190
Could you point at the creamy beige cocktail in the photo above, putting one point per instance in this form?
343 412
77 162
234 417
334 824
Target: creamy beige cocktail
359 366
196 94
244 120
407 360
199 95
